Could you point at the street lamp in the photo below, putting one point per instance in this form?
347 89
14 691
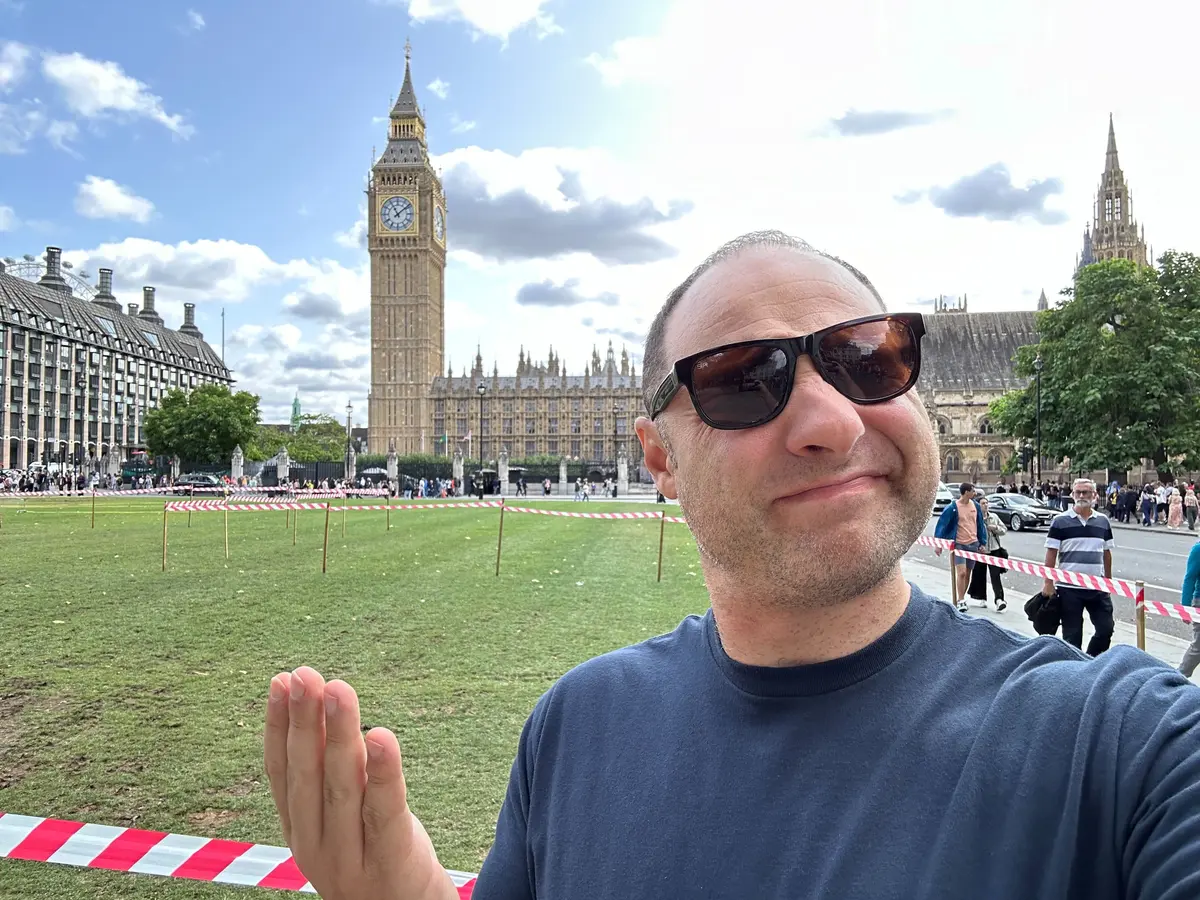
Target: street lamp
349 411
481 389
616 438
1037 368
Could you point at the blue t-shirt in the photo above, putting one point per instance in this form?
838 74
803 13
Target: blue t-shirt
949 759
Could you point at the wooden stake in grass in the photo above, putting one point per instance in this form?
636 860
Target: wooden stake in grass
1140 610
287 519
325 549
191 498
93 507
662 528
953 579
295 525
164 537
388 501
345 506
227 529
500 541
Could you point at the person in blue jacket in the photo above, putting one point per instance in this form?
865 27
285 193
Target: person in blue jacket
969 532
1191 583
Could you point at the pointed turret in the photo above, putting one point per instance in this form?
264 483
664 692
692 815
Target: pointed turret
406 128
1111 163
1043 303
406 104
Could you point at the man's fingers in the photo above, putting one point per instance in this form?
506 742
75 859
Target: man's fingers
385 803
306 759
345 773
275 738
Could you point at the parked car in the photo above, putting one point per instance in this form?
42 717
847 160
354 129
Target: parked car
185 483
944 498
1019 512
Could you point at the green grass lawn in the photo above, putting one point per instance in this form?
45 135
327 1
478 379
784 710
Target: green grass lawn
134 697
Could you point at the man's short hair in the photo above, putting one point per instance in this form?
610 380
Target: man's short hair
964 487
1079 481
655 365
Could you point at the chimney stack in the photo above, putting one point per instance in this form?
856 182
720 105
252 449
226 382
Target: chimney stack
133 309
104 296
53 278
189 321
148 312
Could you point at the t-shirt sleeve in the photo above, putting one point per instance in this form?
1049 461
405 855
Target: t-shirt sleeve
1054 536
1109 543
1159 794
507 872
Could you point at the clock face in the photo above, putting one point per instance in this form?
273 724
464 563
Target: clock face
439 223
397 213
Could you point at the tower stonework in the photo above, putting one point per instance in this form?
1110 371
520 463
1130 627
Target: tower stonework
1114 233
406 241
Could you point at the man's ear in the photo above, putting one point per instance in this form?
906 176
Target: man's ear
656 456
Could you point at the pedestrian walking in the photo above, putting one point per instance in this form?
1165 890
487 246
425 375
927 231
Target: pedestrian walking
1147 506
1175 509
977 590
1191 586
1190 507
962 522
1081 540
822 729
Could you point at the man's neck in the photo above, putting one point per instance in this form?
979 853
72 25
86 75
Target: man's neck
1084 512
762 631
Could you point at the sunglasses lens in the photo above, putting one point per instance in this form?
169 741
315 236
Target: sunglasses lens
742 386
870 361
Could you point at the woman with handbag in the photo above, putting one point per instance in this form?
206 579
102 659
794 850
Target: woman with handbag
977 590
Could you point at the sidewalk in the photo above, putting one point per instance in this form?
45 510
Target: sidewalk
936 581
1182 531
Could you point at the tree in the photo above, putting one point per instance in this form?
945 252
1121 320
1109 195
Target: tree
1121 369
202 426
320 438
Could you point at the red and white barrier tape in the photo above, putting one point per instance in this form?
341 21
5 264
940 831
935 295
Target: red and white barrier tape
219 505
160 853
1172 610
1027 567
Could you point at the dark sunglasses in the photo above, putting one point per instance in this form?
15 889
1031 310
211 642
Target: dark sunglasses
867 360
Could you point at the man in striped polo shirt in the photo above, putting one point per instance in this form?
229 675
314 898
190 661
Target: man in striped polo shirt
1081 540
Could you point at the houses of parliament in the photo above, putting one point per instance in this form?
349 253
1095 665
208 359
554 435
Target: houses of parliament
418 404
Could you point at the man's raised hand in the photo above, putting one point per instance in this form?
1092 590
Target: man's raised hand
341 797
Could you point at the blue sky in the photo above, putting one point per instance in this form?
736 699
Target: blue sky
217 150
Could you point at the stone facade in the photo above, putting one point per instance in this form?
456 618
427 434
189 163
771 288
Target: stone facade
416 399
80 373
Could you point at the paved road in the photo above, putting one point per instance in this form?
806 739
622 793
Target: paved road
1155 556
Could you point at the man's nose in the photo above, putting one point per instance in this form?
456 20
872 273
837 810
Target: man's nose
819 421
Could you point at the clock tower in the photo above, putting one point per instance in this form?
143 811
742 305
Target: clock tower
406 240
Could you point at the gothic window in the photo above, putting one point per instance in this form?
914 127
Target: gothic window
993 461
575 426
508 426
552 447
508 406
575 405
574 448
621 424
943 425
597 425
1108 209
530 423
1117 207
530 406
462 425
553 406
985 427
530 448
953 461
598 449
553 425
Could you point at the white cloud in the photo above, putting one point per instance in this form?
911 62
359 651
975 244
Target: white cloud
8 218
460 126
103 198
354 237
439 88
195 20
486 18
59 133
93 88
13 60
632 59
19 124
